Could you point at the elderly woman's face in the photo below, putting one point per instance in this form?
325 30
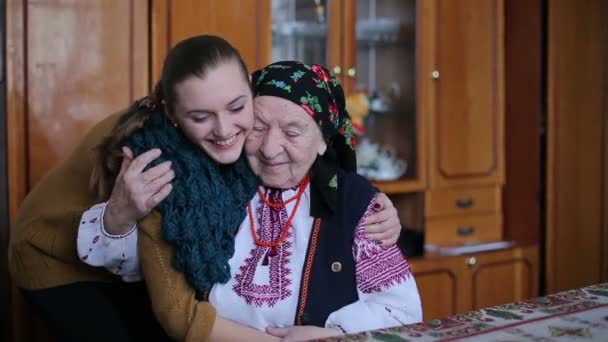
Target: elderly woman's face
216 112
284 143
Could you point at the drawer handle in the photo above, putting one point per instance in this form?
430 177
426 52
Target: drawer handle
464 203
465 231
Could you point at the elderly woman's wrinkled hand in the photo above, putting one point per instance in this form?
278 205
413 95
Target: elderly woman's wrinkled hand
302 333
384 225
136 192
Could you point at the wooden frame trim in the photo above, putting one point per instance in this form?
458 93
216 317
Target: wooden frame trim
5 285
422 106
523 117
16 109
604 252
16 119
552 154
264 33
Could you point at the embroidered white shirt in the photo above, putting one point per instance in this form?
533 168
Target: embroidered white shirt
96 247
263 291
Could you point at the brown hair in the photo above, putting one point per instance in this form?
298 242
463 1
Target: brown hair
190 57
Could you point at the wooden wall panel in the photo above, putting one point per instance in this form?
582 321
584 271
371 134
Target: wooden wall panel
87 62
245 24
576 240
69 64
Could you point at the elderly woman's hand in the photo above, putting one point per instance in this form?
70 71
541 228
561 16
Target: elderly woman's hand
136 192
384 225
302 333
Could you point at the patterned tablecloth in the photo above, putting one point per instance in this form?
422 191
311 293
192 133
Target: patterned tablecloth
576 315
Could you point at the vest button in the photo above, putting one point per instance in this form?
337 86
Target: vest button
336 266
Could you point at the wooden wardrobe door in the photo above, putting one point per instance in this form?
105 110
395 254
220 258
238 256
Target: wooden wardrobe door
245 24
70 63
466 87
577 107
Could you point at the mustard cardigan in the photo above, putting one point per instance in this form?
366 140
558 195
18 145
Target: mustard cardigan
42 248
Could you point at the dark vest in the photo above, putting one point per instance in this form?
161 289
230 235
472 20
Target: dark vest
328 277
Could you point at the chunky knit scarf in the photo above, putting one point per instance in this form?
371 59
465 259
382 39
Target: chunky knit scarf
208 202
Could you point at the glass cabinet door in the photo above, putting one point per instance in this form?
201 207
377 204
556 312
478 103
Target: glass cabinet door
300 31
385 76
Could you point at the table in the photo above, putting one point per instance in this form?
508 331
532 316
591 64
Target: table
580 315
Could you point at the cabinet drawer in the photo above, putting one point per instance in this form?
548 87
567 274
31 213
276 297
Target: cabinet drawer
460 201
464 230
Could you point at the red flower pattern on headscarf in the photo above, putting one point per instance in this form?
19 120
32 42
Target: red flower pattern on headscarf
320 72
333 111
308 110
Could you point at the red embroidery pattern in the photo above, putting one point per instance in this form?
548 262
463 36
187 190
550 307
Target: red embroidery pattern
272 222
377 267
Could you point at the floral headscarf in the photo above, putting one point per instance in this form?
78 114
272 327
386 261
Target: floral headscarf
320 94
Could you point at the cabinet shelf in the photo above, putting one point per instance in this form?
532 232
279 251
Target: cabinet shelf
380 31
400 186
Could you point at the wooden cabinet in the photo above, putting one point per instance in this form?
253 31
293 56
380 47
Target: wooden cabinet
463 82
245 24
371 46
450 285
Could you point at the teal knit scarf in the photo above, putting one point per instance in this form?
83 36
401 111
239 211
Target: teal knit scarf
202 214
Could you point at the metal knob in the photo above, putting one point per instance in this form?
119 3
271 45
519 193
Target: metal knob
352 72
471 262
435 74
465 231
337 70
464 203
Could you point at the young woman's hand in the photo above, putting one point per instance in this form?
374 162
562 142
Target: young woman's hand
136 192
384 225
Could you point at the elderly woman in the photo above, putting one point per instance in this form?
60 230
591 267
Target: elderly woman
303 266
302 254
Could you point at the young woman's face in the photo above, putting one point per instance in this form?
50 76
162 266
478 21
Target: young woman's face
216 112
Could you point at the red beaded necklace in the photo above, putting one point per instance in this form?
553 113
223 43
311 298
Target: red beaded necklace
274 205
283 236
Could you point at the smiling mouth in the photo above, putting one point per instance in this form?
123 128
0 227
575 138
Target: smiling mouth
225 143
271 165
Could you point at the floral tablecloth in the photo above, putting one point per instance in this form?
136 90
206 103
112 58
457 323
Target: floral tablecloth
576 315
